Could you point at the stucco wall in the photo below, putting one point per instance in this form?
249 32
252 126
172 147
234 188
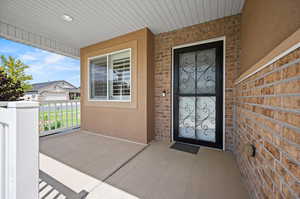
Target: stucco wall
264 25
128 120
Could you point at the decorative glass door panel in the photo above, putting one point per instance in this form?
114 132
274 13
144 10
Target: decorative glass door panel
206 71
206 118
198 94
187 72
187 117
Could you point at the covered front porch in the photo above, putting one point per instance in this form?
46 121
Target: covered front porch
106 167
220 74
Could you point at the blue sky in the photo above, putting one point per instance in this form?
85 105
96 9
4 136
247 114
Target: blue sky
43 66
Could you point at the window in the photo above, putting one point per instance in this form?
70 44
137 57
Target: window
110 76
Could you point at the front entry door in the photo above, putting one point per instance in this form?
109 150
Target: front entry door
198 95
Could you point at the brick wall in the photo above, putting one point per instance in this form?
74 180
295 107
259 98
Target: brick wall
228 27
268 116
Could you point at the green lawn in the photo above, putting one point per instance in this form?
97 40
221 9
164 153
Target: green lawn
59 119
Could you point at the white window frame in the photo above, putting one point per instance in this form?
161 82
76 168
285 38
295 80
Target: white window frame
108 86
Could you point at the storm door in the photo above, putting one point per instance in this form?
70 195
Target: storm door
198 94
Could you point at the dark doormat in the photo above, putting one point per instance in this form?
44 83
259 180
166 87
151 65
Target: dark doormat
185 147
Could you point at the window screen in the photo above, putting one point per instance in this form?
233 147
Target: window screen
110 77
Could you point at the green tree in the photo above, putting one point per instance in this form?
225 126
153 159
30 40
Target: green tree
15 69
10 90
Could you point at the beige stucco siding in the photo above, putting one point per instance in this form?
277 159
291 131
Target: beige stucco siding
264 25
126 120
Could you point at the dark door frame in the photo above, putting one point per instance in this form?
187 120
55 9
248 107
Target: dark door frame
220 43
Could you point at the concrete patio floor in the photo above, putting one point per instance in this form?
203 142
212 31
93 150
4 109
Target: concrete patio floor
112 169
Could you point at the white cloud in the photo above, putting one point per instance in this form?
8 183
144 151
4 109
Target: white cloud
32 56
40 61
27 57
64 68
53 58
35 69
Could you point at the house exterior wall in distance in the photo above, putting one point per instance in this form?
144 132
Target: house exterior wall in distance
53 96
51 91
228 27
30 96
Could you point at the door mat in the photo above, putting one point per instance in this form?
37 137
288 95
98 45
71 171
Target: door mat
185 147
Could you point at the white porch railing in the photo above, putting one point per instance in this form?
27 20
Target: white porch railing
19 149
57 116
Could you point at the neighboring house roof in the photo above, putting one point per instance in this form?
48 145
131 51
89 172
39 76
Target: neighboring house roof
53 86
43 85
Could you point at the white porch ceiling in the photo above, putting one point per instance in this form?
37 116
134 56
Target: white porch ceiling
98 20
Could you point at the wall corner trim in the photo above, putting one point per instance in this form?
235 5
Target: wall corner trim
288 45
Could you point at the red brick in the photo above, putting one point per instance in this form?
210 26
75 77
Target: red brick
278 147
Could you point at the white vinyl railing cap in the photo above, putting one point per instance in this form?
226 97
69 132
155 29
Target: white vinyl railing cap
19 104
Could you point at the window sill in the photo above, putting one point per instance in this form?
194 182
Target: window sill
98 100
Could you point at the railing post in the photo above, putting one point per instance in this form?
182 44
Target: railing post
49 116
21 150
41 112
76 103
67 114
